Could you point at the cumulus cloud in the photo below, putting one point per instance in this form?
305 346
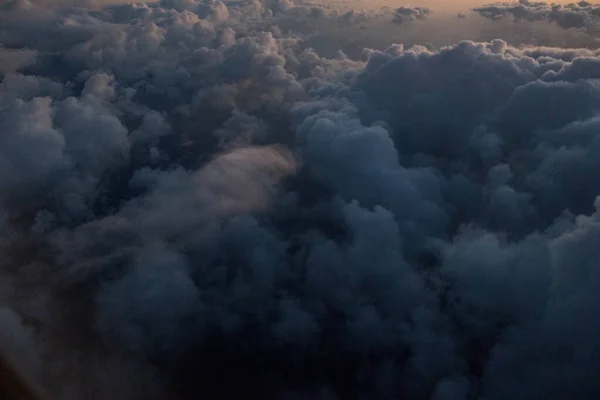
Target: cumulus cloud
195 203
580 15
403 14
13 60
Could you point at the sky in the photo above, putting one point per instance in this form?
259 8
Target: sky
288 200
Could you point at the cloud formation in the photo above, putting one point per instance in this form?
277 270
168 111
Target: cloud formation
580 15
403 15
192 202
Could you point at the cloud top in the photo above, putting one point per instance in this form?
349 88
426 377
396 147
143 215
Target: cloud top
195 202
580 15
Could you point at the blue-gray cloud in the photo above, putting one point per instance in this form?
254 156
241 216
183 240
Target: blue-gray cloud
403 15
580 15
191 199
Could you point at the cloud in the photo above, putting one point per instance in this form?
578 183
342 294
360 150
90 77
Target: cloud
190 196
353 18
403 14
580 15
13 60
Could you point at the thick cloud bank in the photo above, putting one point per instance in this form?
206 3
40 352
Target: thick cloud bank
193 203
580 15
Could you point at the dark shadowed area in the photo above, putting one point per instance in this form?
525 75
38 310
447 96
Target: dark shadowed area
277 199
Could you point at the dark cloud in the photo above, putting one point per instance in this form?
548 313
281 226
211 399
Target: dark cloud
194 202
403 15
353 18
580 15
13 60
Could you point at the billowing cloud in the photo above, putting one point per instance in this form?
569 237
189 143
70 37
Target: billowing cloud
195 203
580 15
403 15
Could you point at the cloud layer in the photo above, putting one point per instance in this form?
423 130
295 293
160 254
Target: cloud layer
192 199
580 15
